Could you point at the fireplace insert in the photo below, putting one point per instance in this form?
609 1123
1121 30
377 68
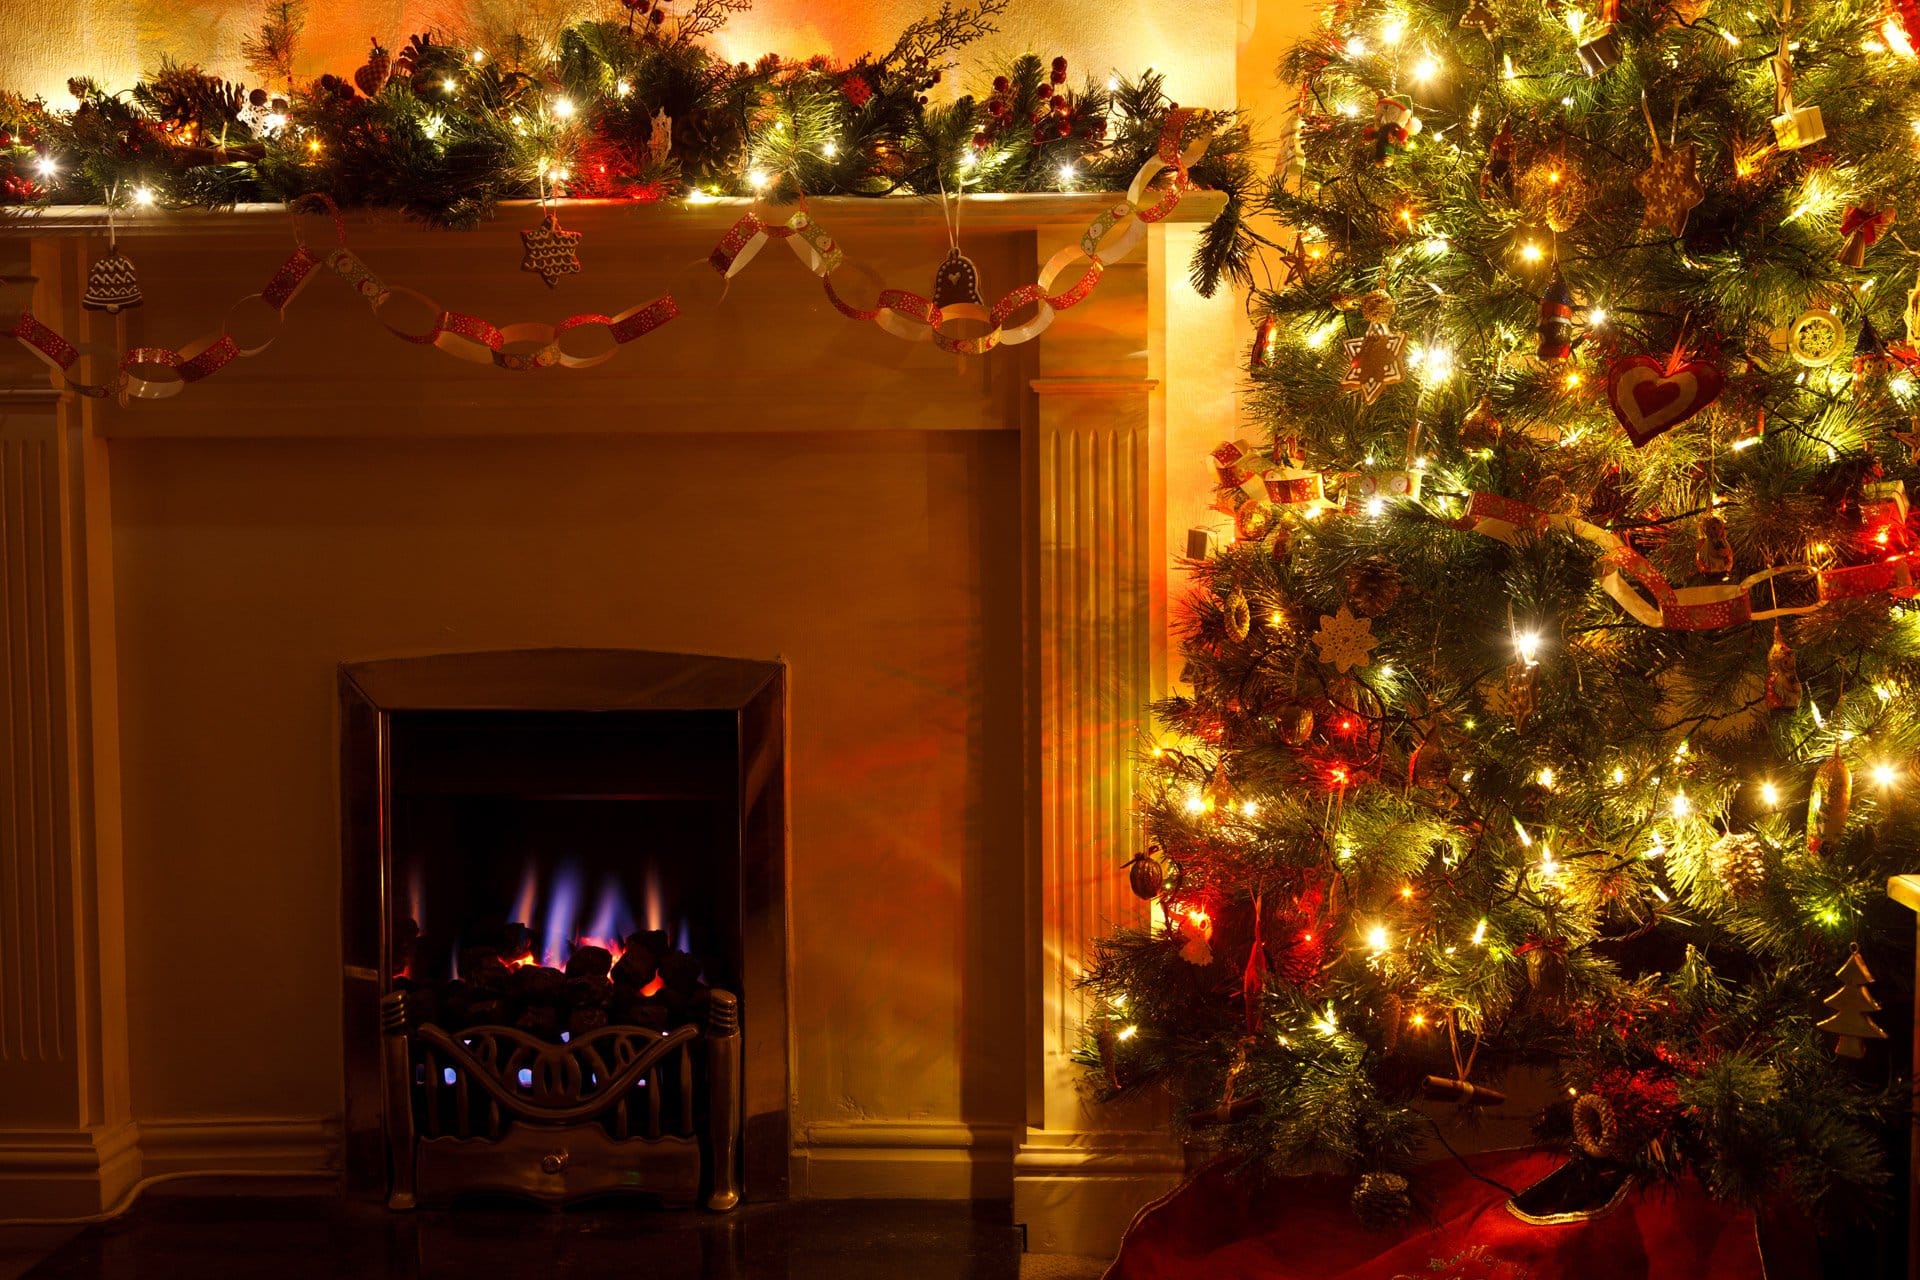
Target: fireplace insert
564 926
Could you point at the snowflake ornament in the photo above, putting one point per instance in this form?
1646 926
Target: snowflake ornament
1345 641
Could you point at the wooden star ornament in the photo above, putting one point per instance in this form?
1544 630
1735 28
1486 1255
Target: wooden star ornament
1377 358
1671 187
550 251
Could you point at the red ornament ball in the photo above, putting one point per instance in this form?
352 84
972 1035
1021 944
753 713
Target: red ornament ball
1001 84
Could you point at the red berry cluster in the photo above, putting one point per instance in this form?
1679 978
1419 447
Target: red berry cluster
651 12
1052 119
15 189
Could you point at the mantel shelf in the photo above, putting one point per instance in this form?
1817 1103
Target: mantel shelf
904 214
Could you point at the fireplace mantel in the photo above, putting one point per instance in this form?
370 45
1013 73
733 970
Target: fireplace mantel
1111 412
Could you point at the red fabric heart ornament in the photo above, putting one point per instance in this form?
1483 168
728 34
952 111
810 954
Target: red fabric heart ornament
1650 397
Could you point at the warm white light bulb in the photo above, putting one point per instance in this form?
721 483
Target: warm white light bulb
1067 173
479 56
563 107
757 179
1884 775
623 88
449 85
1392 30
143 196
1619 775
1356 47
1426 69
1377 938
1546 778
1531 252
1596 317
1480 933
1681 805
830 149
46 166
1527 645
1376 507
1769 794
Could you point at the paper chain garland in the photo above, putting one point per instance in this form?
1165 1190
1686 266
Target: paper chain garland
151 373
1639 588
1107 239
1629 577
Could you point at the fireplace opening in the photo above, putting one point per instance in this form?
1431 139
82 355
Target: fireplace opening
567 870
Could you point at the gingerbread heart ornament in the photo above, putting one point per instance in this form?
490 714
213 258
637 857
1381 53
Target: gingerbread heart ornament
1650 397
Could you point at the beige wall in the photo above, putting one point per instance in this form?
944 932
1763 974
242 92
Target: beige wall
882 567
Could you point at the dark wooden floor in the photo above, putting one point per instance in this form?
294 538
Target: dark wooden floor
298 1237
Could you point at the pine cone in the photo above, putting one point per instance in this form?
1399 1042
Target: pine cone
1381 1200
714 134
1373 585
1739 862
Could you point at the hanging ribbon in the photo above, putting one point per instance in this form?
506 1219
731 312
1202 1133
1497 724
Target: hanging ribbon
151 373
1108 238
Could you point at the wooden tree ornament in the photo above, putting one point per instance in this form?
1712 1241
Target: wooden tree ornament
1853 1009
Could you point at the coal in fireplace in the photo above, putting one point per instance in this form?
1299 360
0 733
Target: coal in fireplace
564 926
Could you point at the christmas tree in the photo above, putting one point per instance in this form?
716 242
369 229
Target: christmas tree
1567 594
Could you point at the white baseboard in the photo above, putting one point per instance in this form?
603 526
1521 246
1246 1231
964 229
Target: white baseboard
247 1144
1076 1192
937 1160
66 1173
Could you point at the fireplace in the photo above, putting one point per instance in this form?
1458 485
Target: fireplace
564 926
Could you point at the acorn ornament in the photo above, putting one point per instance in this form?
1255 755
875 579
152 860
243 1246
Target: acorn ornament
1783 674
1146 874
1828 803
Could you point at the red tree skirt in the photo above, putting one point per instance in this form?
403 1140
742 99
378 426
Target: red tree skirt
1216 1227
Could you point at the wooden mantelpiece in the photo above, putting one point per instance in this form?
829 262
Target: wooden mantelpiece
1905 890
1112 412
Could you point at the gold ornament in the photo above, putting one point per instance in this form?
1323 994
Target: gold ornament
1816 338
1828 803
1480 429
550 252
1345 642
1853 1009
1596 1130
1239 616
1375 359
1554 191
1296 724
1783 673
